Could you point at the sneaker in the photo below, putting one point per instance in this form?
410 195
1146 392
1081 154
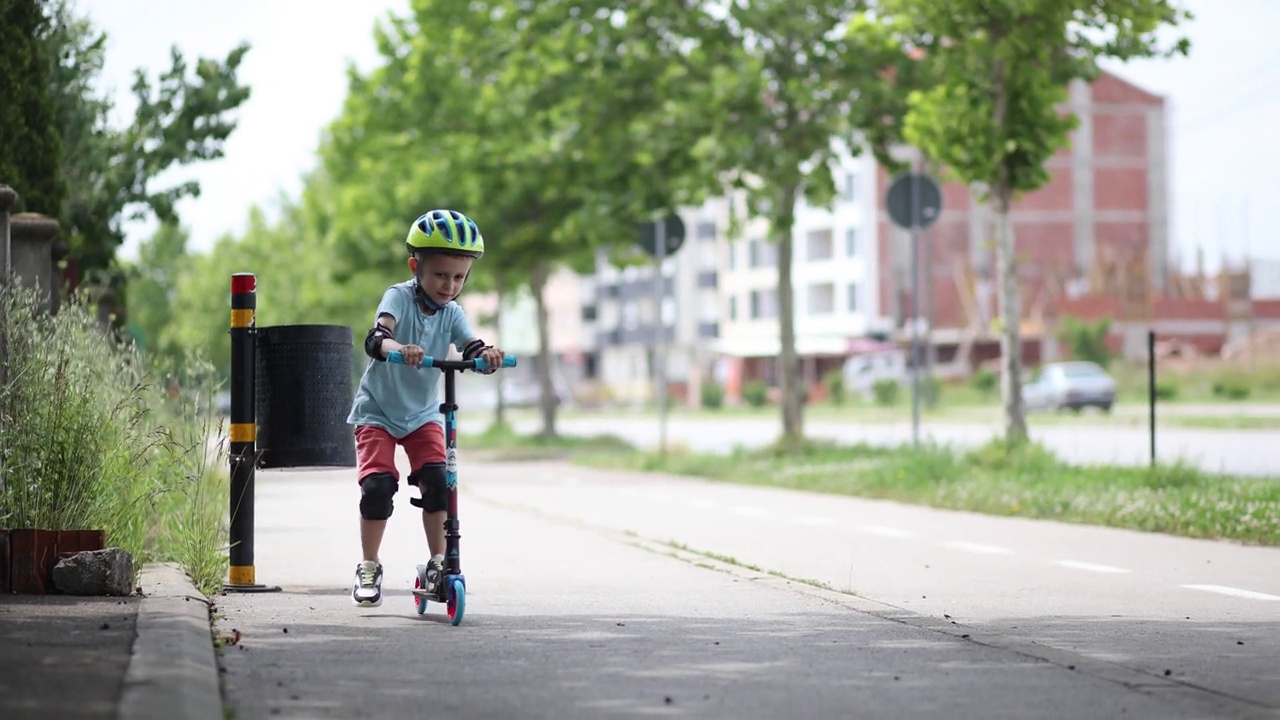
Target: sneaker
368 588
435 571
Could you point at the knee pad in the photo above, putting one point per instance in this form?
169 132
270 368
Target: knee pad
376 493
431 479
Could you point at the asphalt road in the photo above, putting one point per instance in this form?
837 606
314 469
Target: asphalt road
1241 452
613 595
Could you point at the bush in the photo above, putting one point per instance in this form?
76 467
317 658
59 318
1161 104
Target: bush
885 392
1087 340
92 441
712 395
1231 386
755 393
1166 389
986 381
834 382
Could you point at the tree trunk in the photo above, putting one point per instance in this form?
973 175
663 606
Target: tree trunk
788 363
500 404
1015 421
547 401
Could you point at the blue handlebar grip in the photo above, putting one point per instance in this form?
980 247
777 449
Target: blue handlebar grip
395 357
507 361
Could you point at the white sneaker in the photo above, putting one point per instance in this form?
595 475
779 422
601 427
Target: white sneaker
368 586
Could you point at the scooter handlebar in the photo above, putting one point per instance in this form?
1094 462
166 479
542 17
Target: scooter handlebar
478 364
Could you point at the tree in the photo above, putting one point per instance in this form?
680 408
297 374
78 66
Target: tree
153 288
554 124
30 149
995 117
788 83
183 117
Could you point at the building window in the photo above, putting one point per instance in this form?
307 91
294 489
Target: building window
733 260
851 243
707 279
822 299
630 315
819 245
706 230
852 300
588 313
762 253
733 307
850 187
764 304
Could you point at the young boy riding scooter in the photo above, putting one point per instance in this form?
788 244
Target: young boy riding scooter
397 405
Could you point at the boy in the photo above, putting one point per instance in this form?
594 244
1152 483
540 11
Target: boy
399 405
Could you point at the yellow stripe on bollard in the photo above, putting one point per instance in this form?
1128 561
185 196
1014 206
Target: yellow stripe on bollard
240 574
241 317
244 432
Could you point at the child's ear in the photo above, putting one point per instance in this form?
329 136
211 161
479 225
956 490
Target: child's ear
413 265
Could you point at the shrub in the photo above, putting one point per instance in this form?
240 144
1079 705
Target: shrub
755 393
834 382
885 392
1166 389
92 441
712 395
1231 386
986 381
1087 340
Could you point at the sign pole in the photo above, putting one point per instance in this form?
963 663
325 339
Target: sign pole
915 304
660 331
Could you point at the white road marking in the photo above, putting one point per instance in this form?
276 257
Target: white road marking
814 520
885 531
1233 592
701 504
749 511
1091 567
979 548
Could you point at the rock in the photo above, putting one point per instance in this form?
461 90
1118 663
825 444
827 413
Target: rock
99 572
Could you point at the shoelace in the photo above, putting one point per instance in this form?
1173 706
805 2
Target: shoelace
367 574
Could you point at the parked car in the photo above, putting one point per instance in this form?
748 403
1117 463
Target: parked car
1070 385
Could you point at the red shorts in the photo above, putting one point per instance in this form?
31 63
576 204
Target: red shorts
376 449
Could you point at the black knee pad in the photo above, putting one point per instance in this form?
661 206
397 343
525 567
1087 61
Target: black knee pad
376 493
432 481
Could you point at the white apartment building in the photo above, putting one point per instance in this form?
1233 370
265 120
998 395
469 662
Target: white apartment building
833 280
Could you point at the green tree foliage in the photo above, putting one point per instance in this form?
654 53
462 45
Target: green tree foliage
1087 340
555 124
183 116
786 82
995 116
153 288
30 150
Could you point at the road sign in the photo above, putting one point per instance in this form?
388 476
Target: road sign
898 201
674 227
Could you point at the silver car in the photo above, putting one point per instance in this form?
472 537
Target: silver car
1070 385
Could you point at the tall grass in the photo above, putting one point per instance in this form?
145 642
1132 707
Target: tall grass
90 438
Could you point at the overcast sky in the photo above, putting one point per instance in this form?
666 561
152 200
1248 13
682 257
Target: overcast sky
1224 104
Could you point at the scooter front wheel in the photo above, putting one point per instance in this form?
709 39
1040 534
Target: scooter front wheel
456 605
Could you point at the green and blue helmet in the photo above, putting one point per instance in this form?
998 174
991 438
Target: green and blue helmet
445 231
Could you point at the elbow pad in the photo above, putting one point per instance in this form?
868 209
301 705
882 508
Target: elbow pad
472 350
373 341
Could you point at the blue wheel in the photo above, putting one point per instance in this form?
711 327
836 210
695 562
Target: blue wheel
457 603
420 600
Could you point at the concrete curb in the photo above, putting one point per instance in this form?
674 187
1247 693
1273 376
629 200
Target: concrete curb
173 672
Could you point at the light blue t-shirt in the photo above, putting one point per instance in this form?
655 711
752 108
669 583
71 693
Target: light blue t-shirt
400 398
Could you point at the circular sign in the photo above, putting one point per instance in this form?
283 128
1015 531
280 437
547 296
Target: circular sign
899 202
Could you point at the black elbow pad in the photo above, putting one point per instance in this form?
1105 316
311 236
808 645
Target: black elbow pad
373 341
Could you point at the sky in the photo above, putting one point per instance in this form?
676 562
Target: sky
1223 105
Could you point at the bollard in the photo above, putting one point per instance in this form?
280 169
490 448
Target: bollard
243 435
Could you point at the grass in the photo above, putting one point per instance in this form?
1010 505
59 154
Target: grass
1027 481
92 441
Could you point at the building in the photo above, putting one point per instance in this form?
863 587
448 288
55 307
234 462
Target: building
1104 207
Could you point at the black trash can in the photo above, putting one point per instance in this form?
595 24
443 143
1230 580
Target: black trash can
304 391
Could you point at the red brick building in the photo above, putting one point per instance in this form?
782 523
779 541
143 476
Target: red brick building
1093 242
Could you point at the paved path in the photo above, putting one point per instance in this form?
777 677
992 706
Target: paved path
583 604
1243 452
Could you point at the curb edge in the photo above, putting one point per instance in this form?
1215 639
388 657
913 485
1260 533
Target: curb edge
173 671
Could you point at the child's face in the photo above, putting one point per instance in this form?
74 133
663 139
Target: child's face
441 276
